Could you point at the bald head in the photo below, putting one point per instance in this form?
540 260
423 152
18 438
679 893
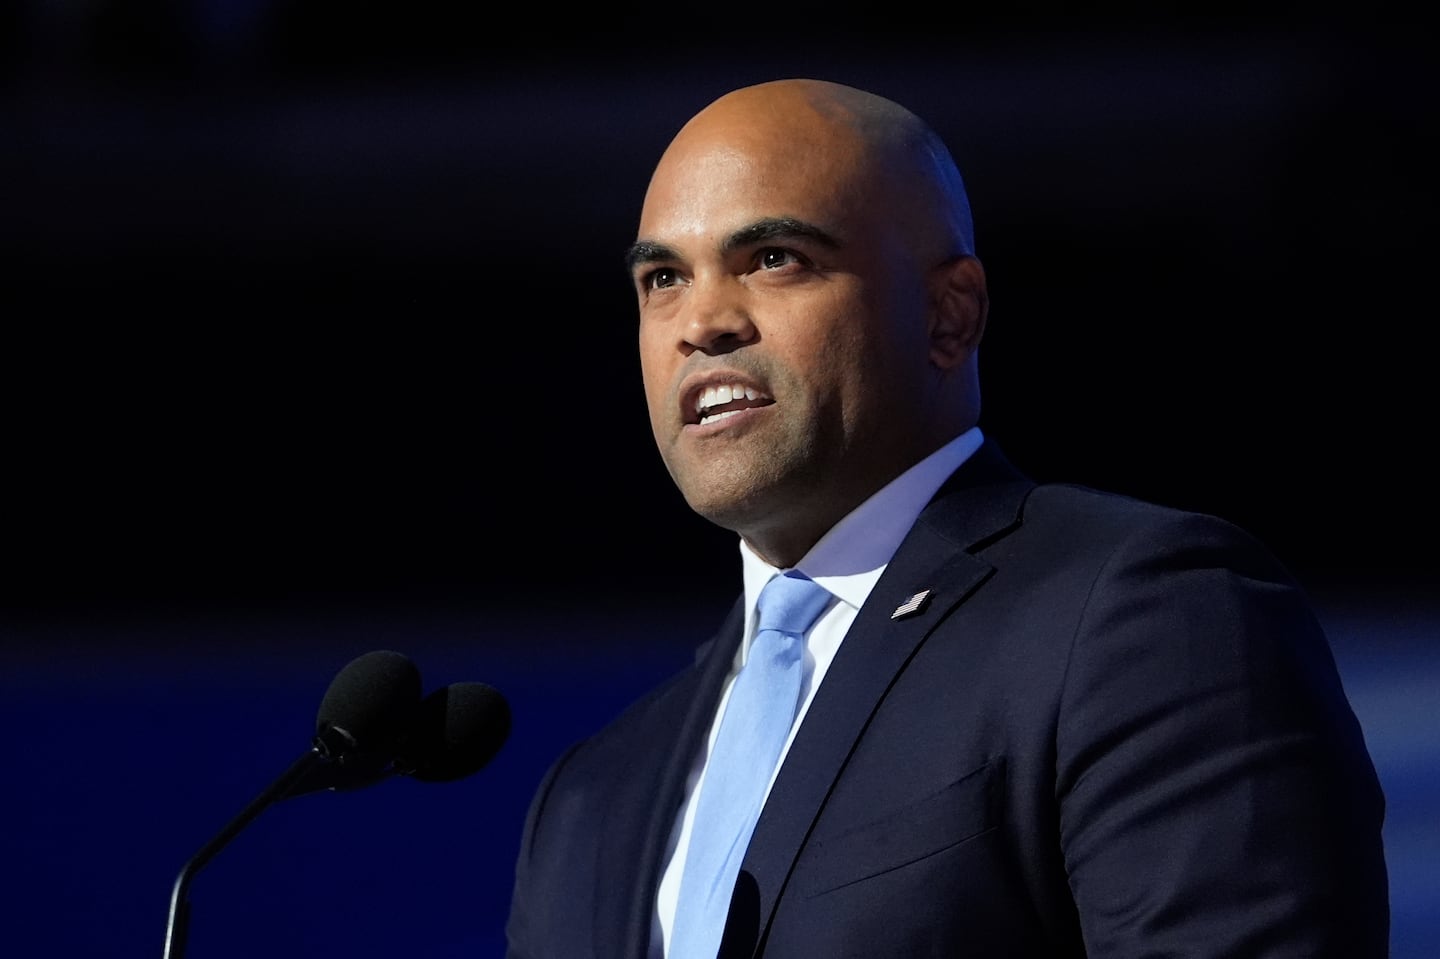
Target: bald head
902 157
810 306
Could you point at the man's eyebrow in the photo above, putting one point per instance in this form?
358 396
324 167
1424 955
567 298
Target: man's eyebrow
644 251
778 228
761 231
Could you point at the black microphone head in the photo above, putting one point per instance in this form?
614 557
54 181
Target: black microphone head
368 707
458 729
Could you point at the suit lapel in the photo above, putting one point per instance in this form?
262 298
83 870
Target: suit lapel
979 502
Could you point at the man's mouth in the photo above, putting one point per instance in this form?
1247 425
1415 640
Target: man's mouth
715 403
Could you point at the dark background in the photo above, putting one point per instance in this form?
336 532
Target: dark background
317 340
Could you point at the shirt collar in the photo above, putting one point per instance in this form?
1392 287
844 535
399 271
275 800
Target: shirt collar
849 559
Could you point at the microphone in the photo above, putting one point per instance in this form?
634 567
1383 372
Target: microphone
372 724
362 720
364 717
453 732
456 731
366 706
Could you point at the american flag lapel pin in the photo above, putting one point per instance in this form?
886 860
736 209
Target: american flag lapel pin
912 605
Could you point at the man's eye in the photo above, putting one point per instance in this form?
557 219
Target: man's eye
773 258
661 278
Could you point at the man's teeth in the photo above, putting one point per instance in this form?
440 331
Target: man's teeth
713 396
717 417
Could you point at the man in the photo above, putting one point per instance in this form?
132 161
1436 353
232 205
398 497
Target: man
1035 720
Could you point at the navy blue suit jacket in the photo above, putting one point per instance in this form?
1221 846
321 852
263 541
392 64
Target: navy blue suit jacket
1111 729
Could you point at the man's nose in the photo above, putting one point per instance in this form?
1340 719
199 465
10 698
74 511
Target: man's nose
718 318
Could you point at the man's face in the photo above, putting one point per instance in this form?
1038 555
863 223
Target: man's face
782 330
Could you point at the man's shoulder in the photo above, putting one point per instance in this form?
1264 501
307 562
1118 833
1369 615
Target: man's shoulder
991 473
1106 505
1110 522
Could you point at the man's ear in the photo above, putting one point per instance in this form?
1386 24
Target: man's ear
959 307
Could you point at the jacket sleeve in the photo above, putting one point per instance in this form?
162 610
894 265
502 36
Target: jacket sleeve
1217 798
524 929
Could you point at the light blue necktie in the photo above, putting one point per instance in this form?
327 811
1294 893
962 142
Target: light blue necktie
763 703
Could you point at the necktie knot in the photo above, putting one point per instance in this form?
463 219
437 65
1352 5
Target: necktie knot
790 603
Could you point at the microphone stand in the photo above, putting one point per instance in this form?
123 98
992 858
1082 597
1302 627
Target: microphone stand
321 751
179 897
